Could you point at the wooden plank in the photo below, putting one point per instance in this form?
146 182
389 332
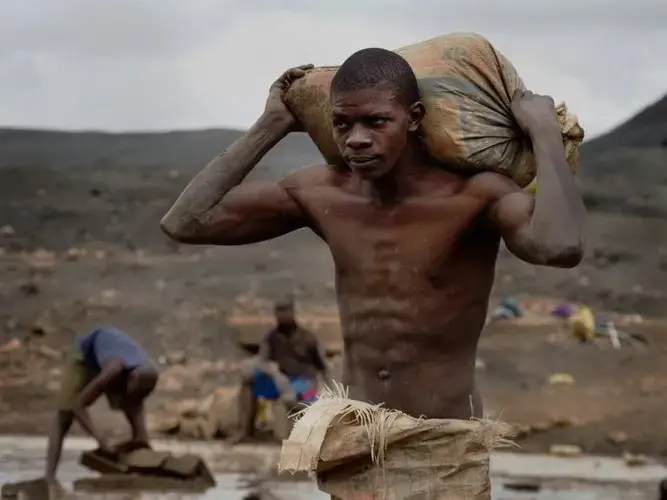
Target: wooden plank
93 460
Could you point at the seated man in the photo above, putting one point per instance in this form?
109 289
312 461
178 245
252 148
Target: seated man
106 361
289 361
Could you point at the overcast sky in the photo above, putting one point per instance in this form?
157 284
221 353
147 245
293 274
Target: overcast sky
168 64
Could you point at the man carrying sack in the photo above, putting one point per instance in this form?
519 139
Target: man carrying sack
415 245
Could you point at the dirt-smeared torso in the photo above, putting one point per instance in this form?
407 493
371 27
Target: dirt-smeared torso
413 281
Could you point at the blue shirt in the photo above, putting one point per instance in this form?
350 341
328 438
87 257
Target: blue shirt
108 342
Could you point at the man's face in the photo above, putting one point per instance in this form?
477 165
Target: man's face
284 314
371 128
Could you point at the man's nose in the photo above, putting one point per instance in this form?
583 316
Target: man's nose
358 139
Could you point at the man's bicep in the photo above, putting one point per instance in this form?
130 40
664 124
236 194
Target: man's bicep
252 212
512 212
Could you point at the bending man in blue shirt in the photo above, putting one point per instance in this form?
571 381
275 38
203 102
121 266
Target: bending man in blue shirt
106 361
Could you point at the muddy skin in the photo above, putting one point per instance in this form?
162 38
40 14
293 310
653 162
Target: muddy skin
414 245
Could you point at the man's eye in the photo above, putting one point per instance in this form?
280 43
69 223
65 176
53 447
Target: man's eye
377 121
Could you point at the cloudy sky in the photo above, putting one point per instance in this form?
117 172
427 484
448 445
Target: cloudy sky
167 64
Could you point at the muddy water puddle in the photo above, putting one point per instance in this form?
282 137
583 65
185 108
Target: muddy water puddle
23 458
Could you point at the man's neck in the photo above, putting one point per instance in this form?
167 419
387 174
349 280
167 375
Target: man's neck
399 184
287 328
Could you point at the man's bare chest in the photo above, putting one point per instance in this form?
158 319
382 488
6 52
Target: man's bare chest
406 238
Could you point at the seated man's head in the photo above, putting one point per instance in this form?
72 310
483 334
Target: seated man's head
375 108
141 383
284 310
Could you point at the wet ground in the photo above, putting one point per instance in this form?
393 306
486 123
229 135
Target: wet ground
584 478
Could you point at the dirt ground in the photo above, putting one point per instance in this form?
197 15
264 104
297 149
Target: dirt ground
83 248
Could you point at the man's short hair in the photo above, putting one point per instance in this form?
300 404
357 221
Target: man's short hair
377 68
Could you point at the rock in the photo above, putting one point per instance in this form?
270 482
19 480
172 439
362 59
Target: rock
561 421
34 489
29 288
11 346
42 327
170 383
541 426
634 460
561 379
47 352
74 253
194 428
187 408
565 450
281 423
618 438
189 466
164 424
41 260
176 358
522 430
223 411
146 459
109 294
7 230
479 364
93 460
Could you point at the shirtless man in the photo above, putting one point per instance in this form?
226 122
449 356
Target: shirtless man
414 243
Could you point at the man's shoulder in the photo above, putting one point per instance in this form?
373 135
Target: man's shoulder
490 186
306 336
314 176
268 336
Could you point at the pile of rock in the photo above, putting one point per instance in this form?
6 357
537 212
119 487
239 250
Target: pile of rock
214 416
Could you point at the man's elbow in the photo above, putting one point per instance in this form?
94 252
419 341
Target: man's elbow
178 230
565 256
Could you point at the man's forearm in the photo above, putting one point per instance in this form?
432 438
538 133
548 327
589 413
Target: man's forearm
83 417
223 173
559 212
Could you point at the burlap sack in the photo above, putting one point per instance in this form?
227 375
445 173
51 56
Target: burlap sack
360 451
467 87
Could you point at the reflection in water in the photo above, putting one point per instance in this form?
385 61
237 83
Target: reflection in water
22 459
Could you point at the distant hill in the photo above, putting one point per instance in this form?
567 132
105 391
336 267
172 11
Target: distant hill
646 129
623 170
179 149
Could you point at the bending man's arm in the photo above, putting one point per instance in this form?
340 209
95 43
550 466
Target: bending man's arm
110 371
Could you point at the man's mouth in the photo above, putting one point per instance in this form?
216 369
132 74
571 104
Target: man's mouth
362 161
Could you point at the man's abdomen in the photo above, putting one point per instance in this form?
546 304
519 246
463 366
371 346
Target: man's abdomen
424 386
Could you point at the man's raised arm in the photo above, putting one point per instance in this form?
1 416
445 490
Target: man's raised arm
216 208
547 229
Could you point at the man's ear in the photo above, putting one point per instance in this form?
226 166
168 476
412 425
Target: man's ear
417 112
